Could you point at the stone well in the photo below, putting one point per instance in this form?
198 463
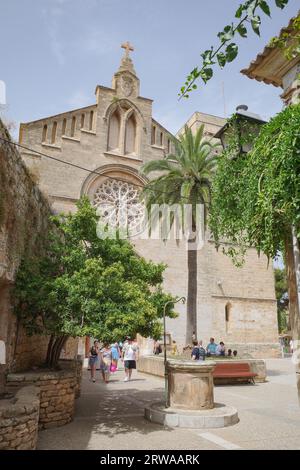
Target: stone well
190 384
190 398
19 418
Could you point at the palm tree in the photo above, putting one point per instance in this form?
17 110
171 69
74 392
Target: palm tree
185 178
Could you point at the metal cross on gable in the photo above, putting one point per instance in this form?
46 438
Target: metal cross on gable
128 47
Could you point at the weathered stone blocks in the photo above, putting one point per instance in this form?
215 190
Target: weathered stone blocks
19 417
57 393
190 384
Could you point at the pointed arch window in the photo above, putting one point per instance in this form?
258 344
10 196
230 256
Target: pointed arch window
161 139
153 135
227 316
73 126
64 127
45 131
130 135
114 131
53 135
91 120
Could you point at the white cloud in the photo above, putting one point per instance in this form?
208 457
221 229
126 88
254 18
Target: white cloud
53 16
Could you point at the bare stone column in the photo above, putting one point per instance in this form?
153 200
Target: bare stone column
190 385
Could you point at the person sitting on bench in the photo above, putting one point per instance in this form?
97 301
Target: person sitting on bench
220 349
211 347
198 352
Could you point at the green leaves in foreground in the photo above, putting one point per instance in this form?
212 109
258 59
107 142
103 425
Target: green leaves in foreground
227 51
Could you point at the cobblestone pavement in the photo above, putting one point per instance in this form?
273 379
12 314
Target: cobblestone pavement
110 417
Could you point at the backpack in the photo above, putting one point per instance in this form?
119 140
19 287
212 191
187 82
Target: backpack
196 352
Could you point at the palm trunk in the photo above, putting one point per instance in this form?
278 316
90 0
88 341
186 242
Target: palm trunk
191 320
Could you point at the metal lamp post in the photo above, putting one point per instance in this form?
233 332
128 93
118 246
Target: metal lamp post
182 300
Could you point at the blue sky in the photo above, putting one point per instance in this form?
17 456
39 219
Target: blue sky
54 52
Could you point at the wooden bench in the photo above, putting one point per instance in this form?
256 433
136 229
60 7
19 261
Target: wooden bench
234 370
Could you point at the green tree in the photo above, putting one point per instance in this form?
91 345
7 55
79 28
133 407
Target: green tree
256 197
281 290
185 178
248 13
85 285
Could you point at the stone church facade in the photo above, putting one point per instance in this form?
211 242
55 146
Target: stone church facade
107 143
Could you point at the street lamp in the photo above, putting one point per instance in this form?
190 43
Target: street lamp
246 123
182 300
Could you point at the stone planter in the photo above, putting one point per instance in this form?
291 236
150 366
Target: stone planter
19 418
57 394
190 384
76 366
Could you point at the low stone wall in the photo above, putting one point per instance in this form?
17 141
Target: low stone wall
154 365
256 350
248 351
19 418
77 366
57 394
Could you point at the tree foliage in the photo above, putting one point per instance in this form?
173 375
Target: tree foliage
256 196
185 175
89 286
290 45
227 50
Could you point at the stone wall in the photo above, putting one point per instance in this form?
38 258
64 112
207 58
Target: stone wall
77 366
22 207
57 394
19 418
24 221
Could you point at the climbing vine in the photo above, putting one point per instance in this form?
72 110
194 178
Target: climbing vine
227 50
256 195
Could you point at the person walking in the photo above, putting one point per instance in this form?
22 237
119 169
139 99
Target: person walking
105 361
116 354
93 357
130 356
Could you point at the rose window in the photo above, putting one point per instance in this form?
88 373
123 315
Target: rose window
118 204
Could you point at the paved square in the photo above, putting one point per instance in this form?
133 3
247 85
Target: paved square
112 416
